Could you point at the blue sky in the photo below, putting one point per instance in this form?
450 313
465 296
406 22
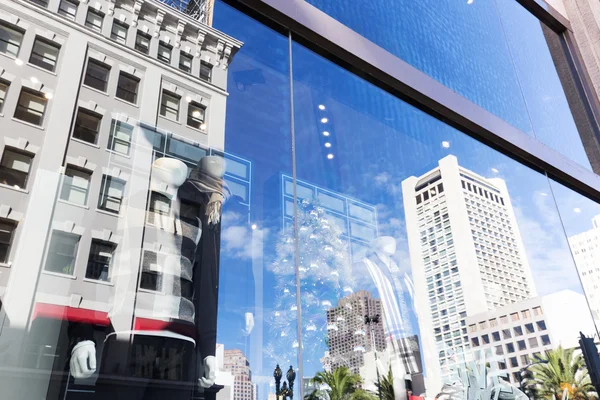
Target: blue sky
378 140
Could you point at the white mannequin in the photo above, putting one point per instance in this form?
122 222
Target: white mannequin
385 247
168 174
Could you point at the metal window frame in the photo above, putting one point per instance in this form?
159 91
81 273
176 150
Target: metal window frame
333 40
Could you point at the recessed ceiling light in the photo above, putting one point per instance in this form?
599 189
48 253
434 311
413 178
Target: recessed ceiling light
330 156
445 144
494 170
321 107
577 210
325 133
18 62
34 79
203 127
324 120
48 95
188 99
328 145
543 194
254 226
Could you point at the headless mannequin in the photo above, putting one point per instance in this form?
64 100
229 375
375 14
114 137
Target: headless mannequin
168 176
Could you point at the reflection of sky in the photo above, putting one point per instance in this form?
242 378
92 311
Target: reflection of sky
377 141
492 52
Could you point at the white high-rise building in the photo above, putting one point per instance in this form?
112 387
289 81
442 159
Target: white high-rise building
467 257
585 247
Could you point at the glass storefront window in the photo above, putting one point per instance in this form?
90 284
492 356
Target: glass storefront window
286 229
494 53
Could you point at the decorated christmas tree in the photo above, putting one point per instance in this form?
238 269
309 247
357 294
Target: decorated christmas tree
324 271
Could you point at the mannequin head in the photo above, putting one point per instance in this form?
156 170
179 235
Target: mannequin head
169 171
212 165
384 244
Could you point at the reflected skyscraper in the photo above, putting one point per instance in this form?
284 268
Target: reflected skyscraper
349 336
238 365
467 257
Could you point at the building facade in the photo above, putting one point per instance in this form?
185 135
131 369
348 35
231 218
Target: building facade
238 365
467 256
517 335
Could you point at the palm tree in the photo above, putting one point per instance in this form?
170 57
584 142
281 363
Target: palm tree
341 384
385 386
563 372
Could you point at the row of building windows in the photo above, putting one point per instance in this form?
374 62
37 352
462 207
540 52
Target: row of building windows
62 255
507 333
524 314
482 192
94 20
44 53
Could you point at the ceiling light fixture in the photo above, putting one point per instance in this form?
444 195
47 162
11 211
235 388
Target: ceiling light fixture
321 107
328 145
324 120
330 156
445 144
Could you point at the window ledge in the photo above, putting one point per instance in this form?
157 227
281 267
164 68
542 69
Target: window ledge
84 142
205 132
108 213
169 119
86 207
94 89
126 102
41 128
119 154
2 185
42 69
99 282
9 56
58 274
6 265
150 291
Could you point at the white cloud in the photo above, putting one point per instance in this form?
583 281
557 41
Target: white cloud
238 240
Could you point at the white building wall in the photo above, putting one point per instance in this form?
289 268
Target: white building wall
585 248
473 273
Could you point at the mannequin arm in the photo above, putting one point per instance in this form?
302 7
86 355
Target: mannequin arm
83 359
210 372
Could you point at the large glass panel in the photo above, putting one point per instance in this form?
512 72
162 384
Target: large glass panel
144 265
425 289
581 221
494 53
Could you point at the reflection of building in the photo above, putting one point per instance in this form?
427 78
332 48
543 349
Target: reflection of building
467 257
238 365
349 336
121 65
518 332
585 250
356 219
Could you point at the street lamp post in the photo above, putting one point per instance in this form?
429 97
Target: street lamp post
285 390
370 321
277 375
